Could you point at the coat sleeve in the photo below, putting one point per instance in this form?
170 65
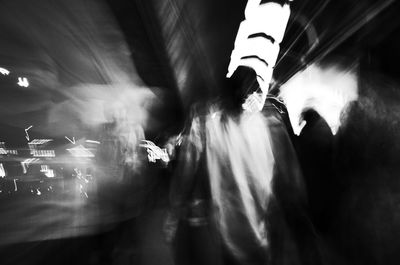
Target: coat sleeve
184 176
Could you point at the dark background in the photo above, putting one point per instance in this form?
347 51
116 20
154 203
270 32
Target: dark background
180 50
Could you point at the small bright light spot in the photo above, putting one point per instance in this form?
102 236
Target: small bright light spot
23 82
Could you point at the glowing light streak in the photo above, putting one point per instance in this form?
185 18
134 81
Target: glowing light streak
12 152
154 152
3 151
4 71
23 82
40 141
92 141
26 162
26 132
43 153
15 185
2 171
80 151
72 141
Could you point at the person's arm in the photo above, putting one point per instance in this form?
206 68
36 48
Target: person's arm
183 179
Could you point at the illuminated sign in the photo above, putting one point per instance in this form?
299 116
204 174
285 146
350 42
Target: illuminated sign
47 171
43 153
40 141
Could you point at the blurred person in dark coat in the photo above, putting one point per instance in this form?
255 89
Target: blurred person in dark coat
237 195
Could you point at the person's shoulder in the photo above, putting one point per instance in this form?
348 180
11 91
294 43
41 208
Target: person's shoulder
277 114
274 108
274 104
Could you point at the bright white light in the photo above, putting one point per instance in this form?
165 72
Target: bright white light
23 82
43 153
40 141
47 171
154 152
50 173
268 19
12 152
2 171
26 162
80 151
4 71
92 141
72 141
15 185
328 91
26 132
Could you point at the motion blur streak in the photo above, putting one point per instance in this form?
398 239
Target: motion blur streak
82 83
86 62
327 90
240 165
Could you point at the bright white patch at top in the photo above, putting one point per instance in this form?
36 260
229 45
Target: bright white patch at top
328 91
258 40
272 17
